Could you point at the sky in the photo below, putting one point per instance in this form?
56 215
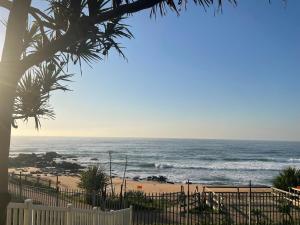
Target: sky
234 75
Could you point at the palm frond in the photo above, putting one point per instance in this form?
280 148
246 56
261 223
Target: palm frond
33 93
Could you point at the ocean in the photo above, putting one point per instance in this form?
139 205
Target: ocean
219 162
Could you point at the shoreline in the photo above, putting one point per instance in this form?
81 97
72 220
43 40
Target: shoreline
71 182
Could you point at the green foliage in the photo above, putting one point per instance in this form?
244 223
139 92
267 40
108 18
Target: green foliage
139 201
288 177
94 179
33 93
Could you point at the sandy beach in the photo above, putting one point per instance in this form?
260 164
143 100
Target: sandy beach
71 182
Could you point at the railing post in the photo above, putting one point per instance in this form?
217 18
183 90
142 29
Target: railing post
187 205
57 196
20 185
69 214
28 212
249 204
57 191
130 215
94 198
95 217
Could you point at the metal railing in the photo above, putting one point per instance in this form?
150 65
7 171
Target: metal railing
272 207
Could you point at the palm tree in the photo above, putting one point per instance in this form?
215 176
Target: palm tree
287 178
94 180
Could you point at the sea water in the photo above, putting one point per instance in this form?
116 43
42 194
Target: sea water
228 162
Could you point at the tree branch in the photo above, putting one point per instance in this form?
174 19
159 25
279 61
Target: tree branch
68 39
36 13
125 9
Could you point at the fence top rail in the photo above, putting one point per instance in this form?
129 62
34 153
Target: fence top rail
237 186
13 205
284 192
49 208
241 192
296 189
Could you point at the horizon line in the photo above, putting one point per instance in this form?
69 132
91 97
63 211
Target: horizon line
175 138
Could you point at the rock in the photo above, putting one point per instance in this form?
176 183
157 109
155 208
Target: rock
46 162
136 178
161 179
69 156
50 156
72 167
94 159
23 160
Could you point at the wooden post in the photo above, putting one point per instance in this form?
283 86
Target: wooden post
28 212
125 187
69 214
57 191
20 185
130 215
95 217
94 198
187 205
249 204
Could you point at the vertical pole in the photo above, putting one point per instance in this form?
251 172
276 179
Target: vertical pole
28 212
121 193
94 198
187 204
57 191
20 185
95 217
249 204
130 215
69 214
125 187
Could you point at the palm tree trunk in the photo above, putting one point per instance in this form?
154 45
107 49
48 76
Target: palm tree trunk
10 73
6 100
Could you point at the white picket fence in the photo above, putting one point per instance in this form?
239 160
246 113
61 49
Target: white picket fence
29 214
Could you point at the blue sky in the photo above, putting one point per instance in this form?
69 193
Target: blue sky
233 75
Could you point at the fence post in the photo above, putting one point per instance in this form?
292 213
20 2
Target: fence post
187 204
95 222
94 198
69 214
28 212
130 215
57 196
249 204
20 185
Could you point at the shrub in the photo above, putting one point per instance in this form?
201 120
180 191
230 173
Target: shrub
94 180
288 177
